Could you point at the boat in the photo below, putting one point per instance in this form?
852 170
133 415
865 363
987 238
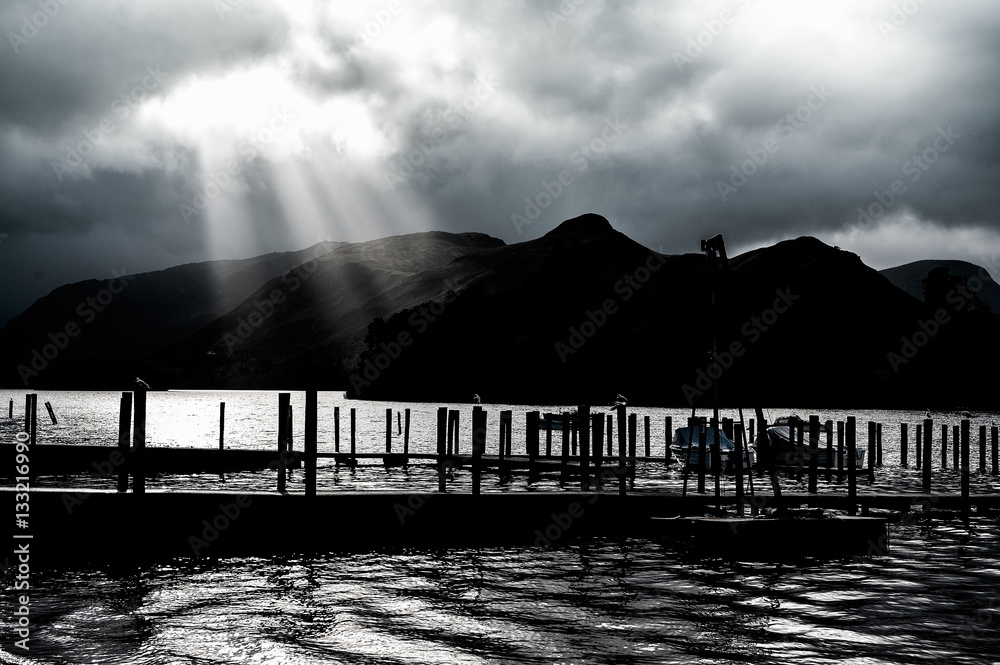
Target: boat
780 450
689 454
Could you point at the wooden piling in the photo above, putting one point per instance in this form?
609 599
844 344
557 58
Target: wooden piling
222 426
871 450
928 435
995 449
137 460
583 417
34 419
478 444
548 434
354 450
10 409
27 413
828 429
564 451
442 447
738 452
454 421
645 422
878 444
633 431
955 434
918 444
124 426
388 430
852 463
598 443
982 449
610 430
531 443
840 450
310 440
944 446
965 466
668 428
336 429
813 452
52 415
702 452
903 445
399 425
717 463
620 415
406 433
284 402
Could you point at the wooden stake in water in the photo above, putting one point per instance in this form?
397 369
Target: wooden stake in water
944 446
388 430
918 445
310 440
354 449
645 422
965 466
954 446
840 450
668 429
610 430
622 424
583 416
903 445
982 449
564 456
702 452
597 426
406 433
478 444
995 449
633 432
928 434
284 401
442 447
222 440
139 443
548 434
124 425
10 409
878 444
813 452
52 415
738 457
852 464
531 442
336 429
872 434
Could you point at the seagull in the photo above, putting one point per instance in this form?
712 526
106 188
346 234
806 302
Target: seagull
142 384
928 413
620 400
475 399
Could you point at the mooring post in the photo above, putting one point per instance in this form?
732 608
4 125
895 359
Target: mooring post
442 447
995 449
878 444
598 442
137 461
310 440
222 440
284 401
813 452
354 449
10 409
668 429
124 426
548 434
871 451
965 466
399 425
918 445
633 427
34 419
388 430
52 415
928 435
645 422
290 432
717 462
336 429
622 424
583 415
531 443
944 446
500 451
738 452
828 428
610 431
478 443
982 449
27 413
840 451
453 425
955 434
903 445
702 454
406 432
509 434
852 464
564 452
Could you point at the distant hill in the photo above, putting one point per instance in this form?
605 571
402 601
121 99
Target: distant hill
910 276
576 316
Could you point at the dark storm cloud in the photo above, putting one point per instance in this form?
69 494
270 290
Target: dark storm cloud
760 120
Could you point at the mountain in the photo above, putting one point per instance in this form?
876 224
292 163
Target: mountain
910 277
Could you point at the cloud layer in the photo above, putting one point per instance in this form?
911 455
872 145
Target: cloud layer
145 136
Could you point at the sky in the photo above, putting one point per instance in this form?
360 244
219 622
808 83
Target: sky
139 135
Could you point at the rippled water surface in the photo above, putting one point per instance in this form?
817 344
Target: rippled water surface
934 598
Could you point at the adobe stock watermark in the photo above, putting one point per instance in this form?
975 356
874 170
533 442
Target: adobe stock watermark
900 16
217 182
372 29
784 129
22 513
418 321
87 310
566 9
455 117
914 167
580 158
291 281
120 109
703 39
959 298
594 320
752 331
30 26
